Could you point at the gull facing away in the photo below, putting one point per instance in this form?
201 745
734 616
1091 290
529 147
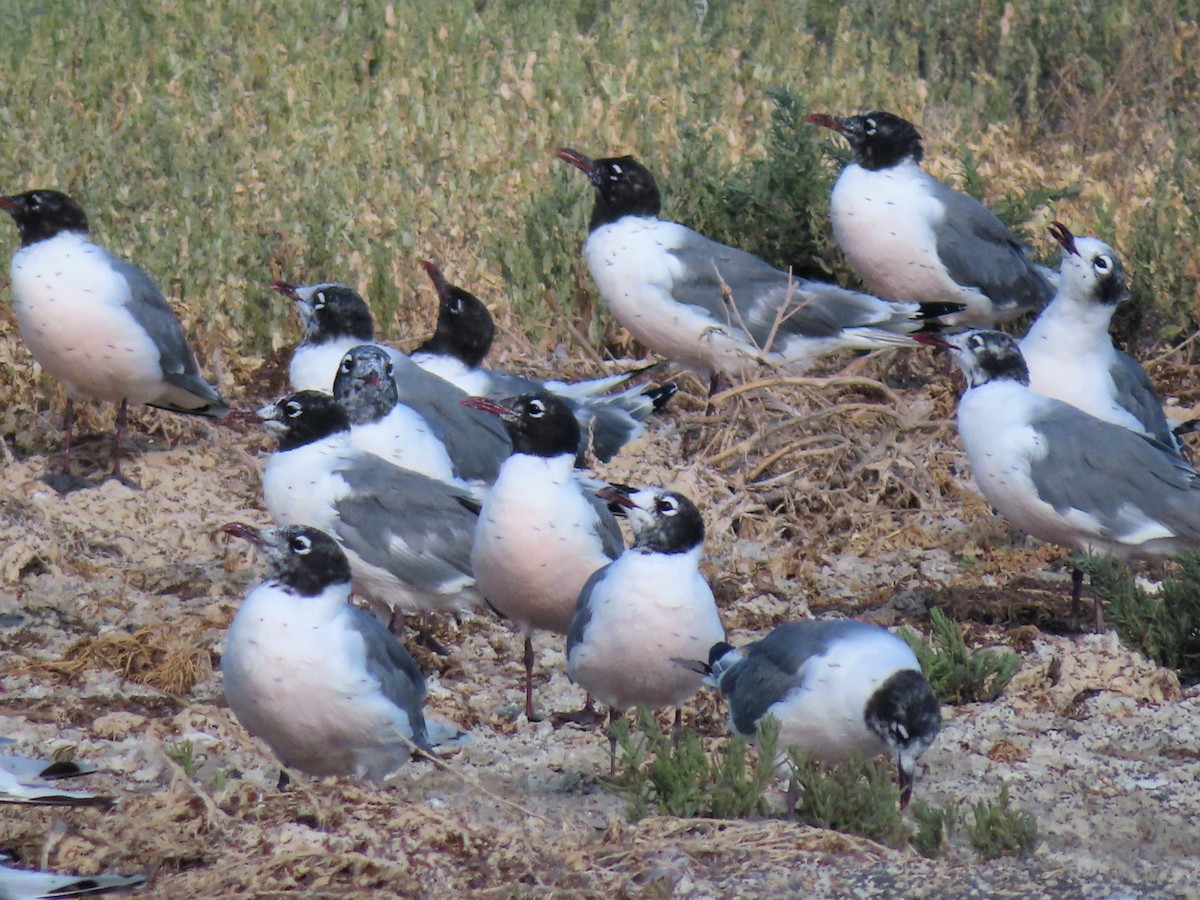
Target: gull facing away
645 609
327 687
1063 475
910 237
714 308
836 689
541 534
463 337
96 322
1070 353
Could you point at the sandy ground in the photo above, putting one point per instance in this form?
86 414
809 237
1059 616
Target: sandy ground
114 603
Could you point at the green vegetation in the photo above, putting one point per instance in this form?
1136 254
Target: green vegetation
956 674
934 827
1166 625
858 796
230 144
184 755
677 778
1000 830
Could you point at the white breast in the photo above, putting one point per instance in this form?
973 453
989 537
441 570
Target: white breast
1001 445
630 262
650 609
299 486
295 676
315 366
883 221
536 542
472 382
404 438
70 308
825 716
1070 358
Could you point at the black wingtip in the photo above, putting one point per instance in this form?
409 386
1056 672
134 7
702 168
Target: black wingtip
661 394
938 309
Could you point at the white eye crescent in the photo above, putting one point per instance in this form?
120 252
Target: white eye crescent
347 365
301 545
1102 263
390 368
319 300
536 408
870 127
667 506
292 409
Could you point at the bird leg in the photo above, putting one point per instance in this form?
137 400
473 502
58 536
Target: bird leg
425 636
529 679
612 742
122 424
587 717
68 427
1076 598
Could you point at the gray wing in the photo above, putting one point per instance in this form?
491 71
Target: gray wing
583 609
477 442
1120 477
774 667
16 883
1136 393
611 541
151 311
768 299
419 529
978 250
502 385
398 674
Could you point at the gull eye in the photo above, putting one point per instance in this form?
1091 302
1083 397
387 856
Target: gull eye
899 732
292 409
390 368
455 306
347 365
300 545
666 506
976 342
869 126
617 170
319 300
536 408
1102 264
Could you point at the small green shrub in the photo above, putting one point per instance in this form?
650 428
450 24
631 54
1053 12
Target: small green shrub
1164 626
934 826
1001 830
675 776
957 674
858 796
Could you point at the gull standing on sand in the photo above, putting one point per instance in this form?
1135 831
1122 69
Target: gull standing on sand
96 322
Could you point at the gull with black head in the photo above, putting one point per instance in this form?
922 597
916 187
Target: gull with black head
97 322
462 339
645 609
910 237
407 536
836 689
327 687
541 533
1065 476
1070 353
714 308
